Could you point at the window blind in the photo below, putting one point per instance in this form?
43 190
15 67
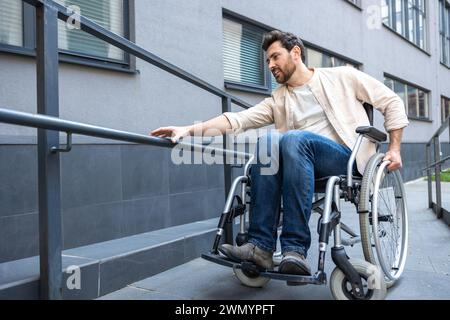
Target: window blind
11 30
242 53
107 13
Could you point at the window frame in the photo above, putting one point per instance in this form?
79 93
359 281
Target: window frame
267 88
392 23
331 54
406 84
444 100
28 47
444 32
355 3
234 85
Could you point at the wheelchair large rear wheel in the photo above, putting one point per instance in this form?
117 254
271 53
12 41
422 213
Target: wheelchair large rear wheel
383 219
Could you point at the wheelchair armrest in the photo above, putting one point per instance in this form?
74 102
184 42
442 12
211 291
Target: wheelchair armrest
372 133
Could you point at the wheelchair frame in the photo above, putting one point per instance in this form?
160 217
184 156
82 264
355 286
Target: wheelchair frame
337 187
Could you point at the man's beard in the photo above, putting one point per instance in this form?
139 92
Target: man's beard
286 73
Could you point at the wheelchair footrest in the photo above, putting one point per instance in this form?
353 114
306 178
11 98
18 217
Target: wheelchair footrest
295 279
292 279
219 259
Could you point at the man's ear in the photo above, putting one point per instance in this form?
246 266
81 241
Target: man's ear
296 52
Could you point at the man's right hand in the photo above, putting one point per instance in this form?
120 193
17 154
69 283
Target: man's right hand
174 133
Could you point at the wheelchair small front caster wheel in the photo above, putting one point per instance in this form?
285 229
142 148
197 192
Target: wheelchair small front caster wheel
374 285
250 279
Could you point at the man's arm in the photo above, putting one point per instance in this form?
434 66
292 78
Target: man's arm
383 99
368 89
393 153
254 117
214 127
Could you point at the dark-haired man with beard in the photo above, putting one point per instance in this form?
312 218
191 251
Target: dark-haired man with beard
316 112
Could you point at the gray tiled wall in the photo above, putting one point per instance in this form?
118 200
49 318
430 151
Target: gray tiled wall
108 192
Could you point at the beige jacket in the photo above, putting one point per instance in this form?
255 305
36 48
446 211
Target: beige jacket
341 92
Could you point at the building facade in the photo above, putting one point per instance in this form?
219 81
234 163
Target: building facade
112 190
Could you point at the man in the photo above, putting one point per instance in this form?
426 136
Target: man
316 111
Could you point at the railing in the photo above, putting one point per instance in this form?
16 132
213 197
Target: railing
71 127
437 165
49 188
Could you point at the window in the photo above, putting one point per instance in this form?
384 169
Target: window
318 59
17 29
242 54
108 14
445 108
244 59
414 98
407 18
444 31
11 22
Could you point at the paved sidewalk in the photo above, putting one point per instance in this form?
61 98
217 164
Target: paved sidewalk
426 276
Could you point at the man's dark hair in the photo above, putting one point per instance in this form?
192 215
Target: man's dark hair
288 40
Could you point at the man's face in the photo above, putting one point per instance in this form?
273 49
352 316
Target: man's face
281 62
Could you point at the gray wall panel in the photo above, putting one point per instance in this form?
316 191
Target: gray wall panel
143 215
108 192
18 176
93 223
145 171
90 176
187 178
18 236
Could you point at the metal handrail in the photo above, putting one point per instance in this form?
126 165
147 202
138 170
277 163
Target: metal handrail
49 186
437 165
439 131
128 46
53 123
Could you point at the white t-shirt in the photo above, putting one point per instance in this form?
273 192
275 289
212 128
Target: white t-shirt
309 115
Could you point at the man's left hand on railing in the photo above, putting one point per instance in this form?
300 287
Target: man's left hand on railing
174 133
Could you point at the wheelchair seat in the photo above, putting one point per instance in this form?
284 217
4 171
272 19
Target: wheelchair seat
321 183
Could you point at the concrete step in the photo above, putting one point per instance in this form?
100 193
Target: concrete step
108 266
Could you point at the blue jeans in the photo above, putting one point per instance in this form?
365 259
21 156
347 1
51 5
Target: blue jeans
303 157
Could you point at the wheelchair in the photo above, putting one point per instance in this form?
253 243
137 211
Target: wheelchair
380 202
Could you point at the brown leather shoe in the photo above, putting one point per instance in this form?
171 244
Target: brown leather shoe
248 252
294 263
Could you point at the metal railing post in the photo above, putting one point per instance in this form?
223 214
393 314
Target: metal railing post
50 237
430 189
226 107
437 172
437 165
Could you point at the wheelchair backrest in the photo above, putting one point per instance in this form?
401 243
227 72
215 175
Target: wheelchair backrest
369 110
